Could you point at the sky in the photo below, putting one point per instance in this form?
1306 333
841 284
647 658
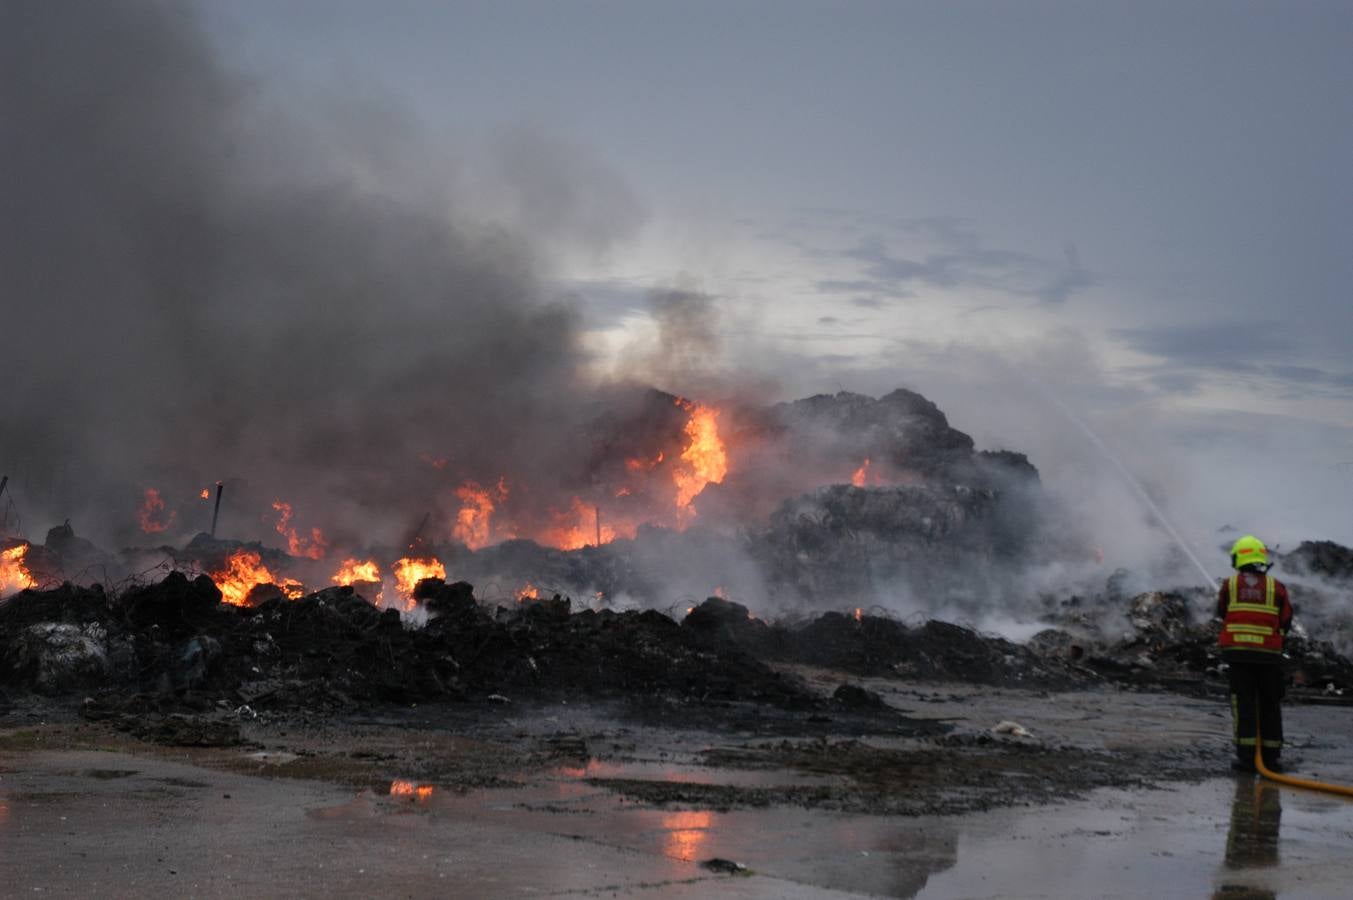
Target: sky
1135 214
1129 220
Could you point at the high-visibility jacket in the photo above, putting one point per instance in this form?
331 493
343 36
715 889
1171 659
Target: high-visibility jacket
1256 613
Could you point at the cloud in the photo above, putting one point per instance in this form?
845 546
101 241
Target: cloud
1225 344
955 258
1258 351
965 262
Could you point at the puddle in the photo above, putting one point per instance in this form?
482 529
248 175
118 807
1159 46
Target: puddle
272 757
1189 840
678 773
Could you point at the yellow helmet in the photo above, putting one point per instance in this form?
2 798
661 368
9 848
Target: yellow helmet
1247 551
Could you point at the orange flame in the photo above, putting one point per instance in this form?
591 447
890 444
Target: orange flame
409 571
530 592
644 465
313 547
473 520
576 527
244 571
152 515
859 614
206 494
419 793
14 575
866 475
352 570
704 459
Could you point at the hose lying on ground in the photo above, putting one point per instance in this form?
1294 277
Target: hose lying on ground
1343 790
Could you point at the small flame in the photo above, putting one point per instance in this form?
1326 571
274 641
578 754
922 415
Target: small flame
576 527
244 571
859 614
719 592
14 575
151 513
703 461
472 526
353 571
639 464
861 476
206 494
411 570
418 793
530 592
313 547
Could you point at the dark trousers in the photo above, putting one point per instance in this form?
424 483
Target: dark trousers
1256 696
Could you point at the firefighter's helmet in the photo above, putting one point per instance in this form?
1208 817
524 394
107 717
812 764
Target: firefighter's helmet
1249 550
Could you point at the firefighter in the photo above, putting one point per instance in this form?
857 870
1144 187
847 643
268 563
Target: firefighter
1256 615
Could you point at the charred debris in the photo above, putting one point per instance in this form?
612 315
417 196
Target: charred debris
174 646
151 629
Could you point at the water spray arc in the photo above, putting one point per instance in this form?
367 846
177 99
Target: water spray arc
1208 580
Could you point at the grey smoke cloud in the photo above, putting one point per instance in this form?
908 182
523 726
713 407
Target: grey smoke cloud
197 288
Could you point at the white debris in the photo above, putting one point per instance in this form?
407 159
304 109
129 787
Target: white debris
1012 728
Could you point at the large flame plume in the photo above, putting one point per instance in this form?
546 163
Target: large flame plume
483 517
704 459
14 575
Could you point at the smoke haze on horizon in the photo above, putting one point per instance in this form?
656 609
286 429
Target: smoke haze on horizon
248 268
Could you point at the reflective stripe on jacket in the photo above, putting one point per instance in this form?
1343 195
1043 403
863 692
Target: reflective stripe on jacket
1253 618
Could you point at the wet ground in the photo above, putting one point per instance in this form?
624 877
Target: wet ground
507 800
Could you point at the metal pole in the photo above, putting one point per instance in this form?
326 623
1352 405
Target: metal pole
217 511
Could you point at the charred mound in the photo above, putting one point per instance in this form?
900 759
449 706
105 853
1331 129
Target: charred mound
175 640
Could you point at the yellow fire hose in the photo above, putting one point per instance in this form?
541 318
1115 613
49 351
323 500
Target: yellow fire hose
1342 790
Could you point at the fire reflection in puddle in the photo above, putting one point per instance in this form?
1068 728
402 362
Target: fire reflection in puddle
687 833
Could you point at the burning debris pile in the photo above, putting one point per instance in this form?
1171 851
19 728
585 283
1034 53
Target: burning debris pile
833 501
660 499
176 644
